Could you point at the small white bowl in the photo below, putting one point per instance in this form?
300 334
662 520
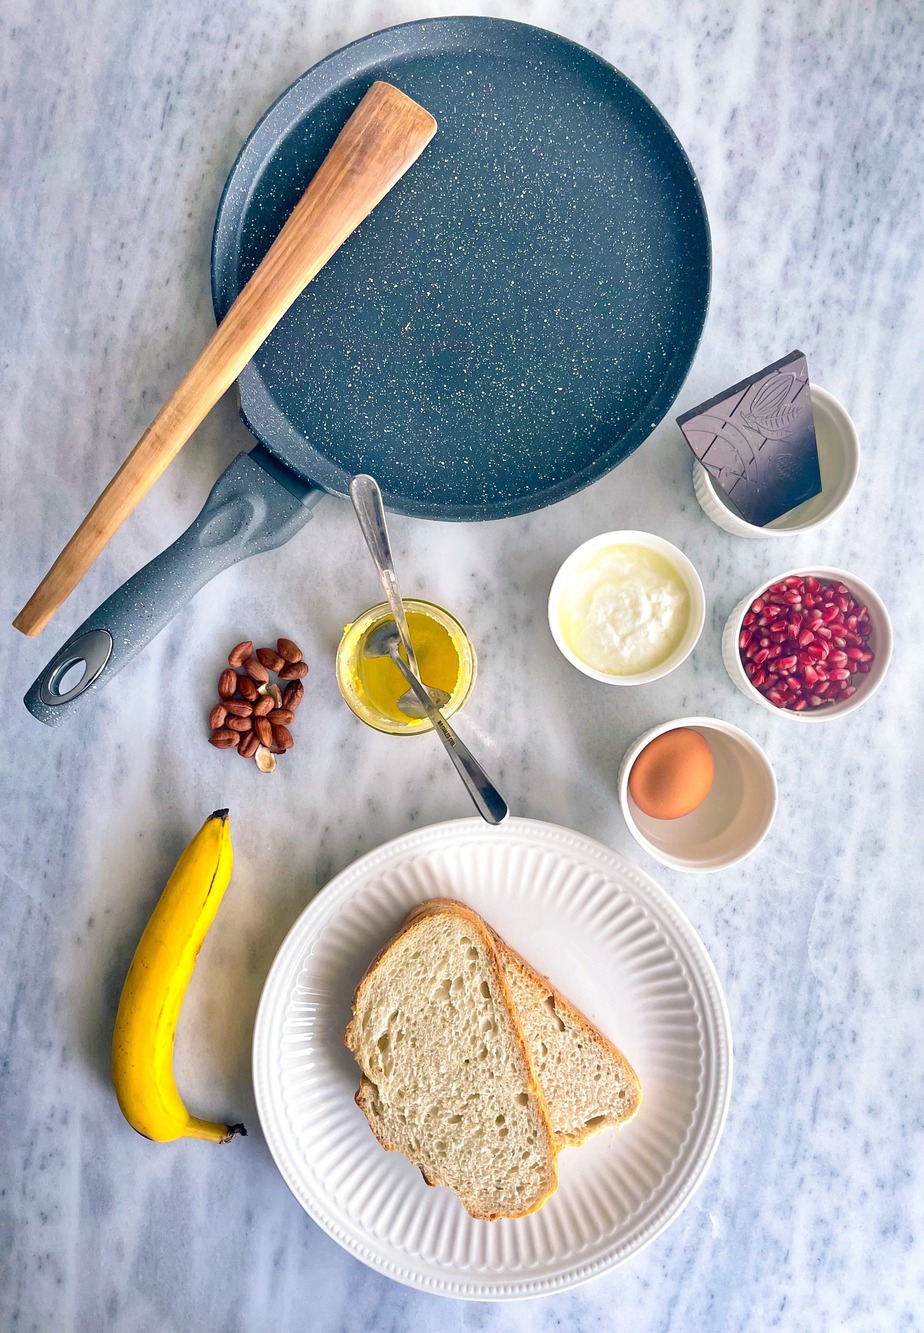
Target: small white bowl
880 642
734 818
838 459
683 567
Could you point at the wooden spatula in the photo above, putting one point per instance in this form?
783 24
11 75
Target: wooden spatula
384 136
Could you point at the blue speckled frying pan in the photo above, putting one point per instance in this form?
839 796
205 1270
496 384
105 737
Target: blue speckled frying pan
511 322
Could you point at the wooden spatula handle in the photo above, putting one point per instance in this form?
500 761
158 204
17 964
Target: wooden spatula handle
385 134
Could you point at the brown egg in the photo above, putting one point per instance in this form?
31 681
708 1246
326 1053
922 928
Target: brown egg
673 774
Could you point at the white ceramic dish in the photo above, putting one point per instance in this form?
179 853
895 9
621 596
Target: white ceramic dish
838 459
684 568
615 943
734 818
880 641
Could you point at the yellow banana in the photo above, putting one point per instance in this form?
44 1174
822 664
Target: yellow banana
142 1044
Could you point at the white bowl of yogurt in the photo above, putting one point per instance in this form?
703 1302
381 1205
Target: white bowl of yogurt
626 608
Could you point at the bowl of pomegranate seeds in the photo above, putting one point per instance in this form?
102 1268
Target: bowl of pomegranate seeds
814 644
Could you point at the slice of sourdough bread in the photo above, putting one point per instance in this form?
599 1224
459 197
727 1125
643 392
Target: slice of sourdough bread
448 1079
588 1084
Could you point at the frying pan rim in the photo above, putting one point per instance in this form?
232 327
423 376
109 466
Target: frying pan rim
663 398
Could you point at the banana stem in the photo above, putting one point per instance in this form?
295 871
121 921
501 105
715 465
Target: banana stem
212 1132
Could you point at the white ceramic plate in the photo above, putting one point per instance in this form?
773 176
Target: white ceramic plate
614 943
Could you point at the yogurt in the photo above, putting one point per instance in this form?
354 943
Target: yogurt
623 609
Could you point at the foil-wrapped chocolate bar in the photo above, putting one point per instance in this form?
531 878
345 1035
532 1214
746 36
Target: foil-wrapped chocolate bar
757 440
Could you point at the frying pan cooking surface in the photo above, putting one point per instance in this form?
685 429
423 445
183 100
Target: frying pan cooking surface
512 320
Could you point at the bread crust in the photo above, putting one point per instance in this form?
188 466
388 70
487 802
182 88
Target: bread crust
437 907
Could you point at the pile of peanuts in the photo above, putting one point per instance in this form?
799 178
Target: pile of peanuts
253 715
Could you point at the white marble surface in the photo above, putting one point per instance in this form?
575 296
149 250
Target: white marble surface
119 124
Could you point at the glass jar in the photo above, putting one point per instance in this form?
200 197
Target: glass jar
372 686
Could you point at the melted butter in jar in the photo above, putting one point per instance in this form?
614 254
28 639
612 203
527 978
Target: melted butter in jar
372 686
437 656
624 609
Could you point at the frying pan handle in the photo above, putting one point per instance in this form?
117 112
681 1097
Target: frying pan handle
247 512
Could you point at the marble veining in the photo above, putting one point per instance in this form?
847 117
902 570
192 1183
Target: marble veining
119 126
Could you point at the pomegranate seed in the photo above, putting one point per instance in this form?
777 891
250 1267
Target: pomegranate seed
786 664
757 604
792 598
809 675
829 614
806 637
759 678
856 654
840 673
866 657
764 641
822 687
778 627
851 622
849 692
798 706
838 658
862 613
761 656
775 697
775 651
853 639
777 639
811 583
823 632
815 701
793 684
864 668
749 619
776 587
744 638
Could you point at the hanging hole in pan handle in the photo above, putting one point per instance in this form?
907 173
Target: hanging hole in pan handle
75 667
